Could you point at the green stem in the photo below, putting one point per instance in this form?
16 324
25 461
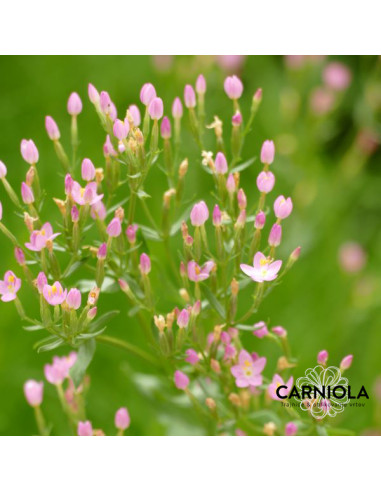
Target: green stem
128 347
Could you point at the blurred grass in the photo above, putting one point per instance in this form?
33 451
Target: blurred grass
319 305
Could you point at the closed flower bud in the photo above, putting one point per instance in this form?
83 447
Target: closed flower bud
74 104
200 84
131 233
215 366
282 207
265 181
241 197
181 380
235 399
275 235
145 264
196 308
3 170
135 113
19 255
74 214
279 331
210 403
29 151
177 108
51 128
41 281
199 214
183 168
260 220
269 429
233 87
73 299
114 228
220 163
346 362
189 97
217 218
184 295
165 128
147 93
234 287
295 254
240 220
159 322
183 318
237 119
33 392
322 357
93 94
30 175
257 98
92 313
122 419
192 357
102 251
290 429
68 184
85 428
87 170
121 129
260 329
267 152
26 193
156 108
231 184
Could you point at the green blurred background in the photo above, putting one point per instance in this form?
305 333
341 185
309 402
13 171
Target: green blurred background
329 164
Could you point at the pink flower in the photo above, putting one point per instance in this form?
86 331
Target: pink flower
51 128
29 151
85 428
248 372
282 207
74 104
267 152
98 211
279 331
135 113
322 357
263 269
86 195
290 429
93 94
19 255
156 108
26 193
265 181
145 264
58 371
131 233
274 385
233 87
199 214
9 286
74 214
200 84
121 129
177 108
183 318
260 329
230 184
242 200
221 163
68 184
275 235
217 217
237 119
260 220
122 419
102 251
3 170
73 299
189 97
38 239
33 392
108 148
165 128
337 76
114 228
346 362
181 380
54 294
192 357
147 93
41 281
230 352
197 273
87 170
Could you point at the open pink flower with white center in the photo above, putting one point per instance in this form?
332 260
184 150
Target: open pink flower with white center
9 286
274 385
282 207
199 214
248 371
197 273
264 269
86 195
38 239
54 294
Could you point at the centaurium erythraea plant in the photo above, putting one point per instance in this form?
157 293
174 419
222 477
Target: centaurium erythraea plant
100 241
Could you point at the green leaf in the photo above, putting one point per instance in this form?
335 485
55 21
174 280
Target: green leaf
87 336
176 226
142 194
213 301
84 357
243 166
102 320
33 328
150 233
56 342
244 327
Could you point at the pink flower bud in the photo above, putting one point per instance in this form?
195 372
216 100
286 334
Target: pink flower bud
260 329
290 429
233 87
221 163
26 193
41 281
177 108
267 152
217 216
92 313
230 184
105 102
1 211
108 149
241 219
122 419
165 128
260 220
241 198
121 129
257 96
265 181
98 210
147 93
87 170
68 184
346 362
102 251
73 299
337 76
135 113
93 94
199 214
192 357
237 119
85 428
131 233
282 207
3 170
200 84
74 214
189 97
295 254
29 151
183 318
114 228
156 108
279 331
51 128
33 392
74 104
322 357
196 308
19 255
181 380
145 264
275 235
